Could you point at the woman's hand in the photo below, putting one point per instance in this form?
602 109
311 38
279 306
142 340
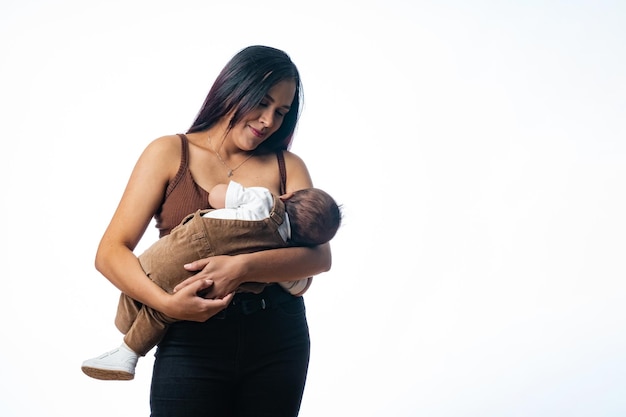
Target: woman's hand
186 304
222 271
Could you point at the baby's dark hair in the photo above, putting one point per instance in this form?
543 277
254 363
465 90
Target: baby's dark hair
314 217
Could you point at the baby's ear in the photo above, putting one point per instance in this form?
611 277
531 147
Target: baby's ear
286 197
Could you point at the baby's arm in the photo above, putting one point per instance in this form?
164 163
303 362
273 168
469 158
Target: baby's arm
217 196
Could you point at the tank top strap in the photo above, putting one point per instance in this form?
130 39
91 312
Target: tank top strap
184 164
185 149
283 171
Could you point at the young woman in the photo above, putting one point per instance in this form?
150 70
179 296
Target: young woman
245 351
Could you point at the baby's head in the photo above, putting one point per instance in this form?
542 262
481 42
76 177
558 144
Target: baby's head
314 216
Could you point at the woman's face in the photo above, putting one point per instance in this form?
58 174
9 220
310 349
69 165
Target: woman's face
260 123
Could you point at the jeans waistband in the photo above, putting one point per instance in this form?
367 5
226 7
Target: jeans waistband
249 303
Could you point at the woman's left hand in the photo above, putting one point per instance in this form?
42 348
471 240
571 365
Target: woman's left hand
223 270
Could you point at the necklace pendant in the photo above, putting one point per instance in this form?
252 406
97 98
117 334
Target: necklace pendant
230 173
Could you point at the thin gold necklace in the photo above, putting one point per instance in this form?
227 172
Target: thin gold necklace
231 171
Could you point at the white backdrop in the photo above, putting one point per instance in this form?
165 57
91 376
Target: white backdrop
478 149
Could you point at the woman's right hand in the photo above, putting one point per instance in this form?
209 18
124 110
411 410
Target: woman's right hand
186 304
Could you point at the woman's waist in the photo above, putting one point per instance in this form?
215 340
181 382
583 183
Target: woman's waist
251 302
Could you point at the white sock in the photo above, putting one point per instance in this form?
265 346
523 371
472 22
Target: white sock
126 347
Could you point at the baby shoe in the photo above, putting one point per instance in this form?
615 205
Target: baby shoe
117 364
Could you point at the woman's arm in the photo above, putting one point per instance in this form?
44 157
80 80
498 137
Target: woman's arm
115 258
275 265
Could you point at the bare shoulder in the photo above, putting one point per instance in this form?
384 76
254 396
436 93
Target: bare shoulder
291 159
165 148
166 144
162 154
298 176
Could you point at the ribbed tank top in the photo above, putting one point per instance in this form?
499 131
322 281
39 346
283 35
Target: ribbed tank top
183 196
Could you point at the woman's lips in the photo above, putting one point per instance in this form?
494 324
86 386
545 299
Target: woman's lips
257 133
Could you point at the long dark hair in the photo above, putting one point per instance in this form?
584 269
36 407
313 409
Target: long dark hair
243 84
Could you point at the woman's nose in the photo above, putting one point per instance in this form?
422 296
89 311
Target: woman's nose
267 119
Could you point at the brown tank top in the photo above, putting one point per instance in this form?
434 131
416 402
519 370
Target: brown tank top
183 196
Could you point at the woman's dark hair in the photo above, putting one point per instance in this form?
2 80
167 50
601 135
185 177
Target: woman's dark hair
243 84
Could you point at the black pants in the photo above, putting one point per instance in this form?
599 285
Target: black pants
249 360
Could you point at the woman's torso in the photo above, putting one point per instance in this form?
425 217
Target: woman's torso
185 195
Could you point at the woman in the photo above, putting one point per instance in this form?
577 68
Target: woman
244 349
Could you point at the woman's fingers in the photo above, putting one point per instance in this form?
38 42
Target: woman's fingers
197 265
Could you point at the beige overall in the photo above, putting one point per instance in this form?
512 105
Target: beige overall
196 237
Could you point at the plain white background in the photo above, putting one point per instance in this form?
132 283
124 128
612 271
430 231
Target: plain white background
478 149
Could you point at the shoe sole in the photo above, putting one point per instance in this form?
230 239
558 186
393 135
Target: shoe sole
107 374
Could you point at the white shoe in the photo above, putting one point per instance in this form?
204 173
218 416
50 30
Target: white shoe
117 364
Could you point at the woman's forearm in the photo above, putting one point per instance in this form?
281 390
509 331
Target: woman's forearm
122 268
286 264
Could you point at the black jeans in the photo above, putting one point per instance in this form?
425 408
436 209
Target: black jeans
250 360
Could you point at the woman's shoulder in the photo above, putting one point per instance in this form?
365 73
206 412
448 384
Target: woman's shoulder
292 158
163 153
167 142
167 147
298 176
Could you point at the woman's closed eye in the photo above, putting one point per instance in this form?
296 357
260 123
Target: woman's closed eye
279 112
